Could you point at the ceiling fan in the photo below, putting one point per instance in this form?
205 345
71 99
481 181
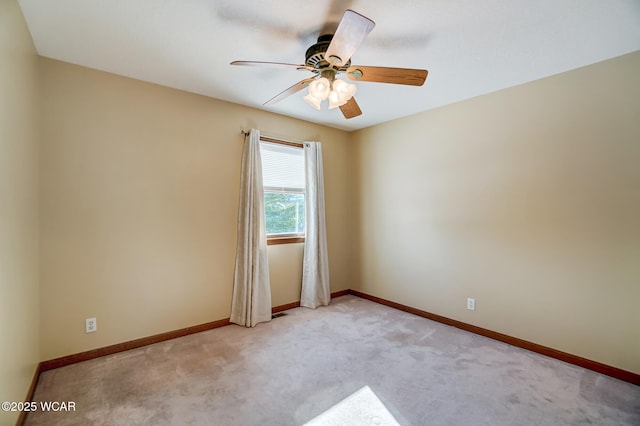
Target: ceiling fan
331 56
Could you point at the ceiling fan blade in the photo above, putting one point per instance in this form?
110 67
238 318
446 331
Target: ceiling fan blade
290 91
351 32
350 109
410 76
272 65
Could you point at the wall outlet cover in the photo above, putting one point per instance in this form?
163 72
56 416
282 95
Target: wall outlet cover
471 304
90 325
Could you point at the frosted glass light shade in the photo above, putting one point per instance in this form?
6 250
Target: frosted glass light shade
338 92
313 101
344 90
320 88
334 100
340 85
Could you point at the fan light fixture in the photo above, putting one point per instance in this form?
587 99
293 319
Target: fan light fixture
338 92
331 56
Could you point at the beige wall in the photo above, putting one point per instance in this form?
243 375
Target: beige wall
139 207
18 207
527 199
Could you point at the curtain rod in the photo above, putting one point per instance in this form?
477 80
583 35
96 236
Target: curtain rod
275 139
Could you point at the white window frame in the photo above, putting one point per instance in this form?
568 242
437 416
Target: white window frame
282 238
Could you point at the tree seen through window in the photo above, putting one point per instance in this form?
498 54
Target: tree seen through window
284 213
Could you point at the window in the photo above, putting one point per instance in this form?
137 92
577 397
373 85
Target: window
284 190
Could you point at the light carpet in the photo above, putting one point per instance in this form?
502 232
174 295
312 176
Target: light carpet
294 369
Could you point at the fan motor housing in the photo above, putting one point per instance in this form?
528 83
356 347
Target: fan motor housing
315 55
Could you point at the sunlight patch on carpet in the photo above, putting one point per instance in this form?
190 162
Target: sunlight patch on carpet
360 408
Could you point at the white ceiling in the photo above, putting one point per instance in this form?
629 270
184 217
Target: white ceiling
469 47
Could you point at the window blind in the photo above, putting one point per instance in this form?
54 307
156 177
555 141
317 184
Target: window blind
282 167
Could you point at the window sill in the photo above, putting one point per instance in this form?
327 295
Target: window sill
284 240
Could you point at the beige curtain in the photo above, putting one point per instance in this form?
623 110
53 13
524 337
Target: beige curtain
251 302
315 267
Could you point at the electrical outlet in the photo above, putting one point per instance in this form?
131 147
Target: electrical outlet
471 304
90 325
